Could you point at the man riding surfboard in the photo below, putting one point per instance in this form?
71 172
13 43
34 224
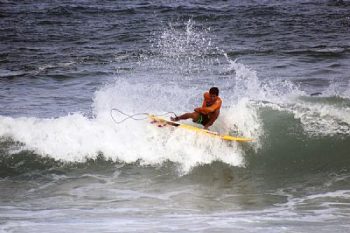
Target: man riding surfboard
208 113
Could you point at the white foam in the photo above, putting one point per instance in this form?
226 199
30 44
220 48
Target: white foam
317 118
76 137
244 118
322 119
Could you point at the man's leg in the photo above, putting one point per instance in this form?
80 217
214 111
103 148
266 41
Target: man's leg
212 118
193 115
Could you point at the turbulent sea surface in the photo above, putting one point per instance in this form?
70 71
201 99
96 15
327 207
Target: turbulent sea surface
284 76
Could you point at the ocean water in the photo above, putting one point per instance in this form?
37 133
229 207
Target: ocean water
284 76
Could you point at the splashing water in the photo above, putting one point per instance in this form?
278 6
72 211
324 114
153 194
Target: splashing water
185 64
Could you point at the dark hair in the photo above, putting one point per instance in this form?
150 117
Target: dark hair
214 91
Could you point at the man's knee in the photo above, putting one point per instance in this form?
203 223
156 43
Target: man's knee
195 116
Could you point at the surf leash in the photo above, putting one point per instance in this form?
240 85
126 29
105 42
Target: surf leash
134 116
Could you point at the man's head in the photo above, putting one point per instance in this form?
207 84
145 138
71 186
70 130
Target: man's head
214 92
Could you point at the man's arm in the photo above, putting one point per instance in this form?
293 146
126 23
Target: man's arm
204 104
206 110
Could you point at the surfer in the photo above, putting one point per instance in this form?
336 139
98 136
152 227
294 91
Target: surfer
208 113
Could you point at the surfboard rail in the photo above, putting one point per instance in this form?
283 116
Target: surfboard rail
164 122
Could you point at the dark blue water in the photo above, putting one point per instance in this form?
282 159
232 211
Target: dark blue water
283 72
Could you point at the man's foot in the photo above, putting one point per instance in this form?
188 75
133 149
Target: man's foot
174 118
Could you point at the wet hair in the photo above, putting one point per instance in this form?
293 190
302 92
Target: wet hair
214 91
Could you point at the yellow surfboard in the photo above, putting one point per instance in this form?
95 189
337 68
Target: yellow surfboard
162 122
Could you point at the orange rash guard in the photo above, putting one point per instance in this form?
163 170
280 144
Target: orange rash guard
208 105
